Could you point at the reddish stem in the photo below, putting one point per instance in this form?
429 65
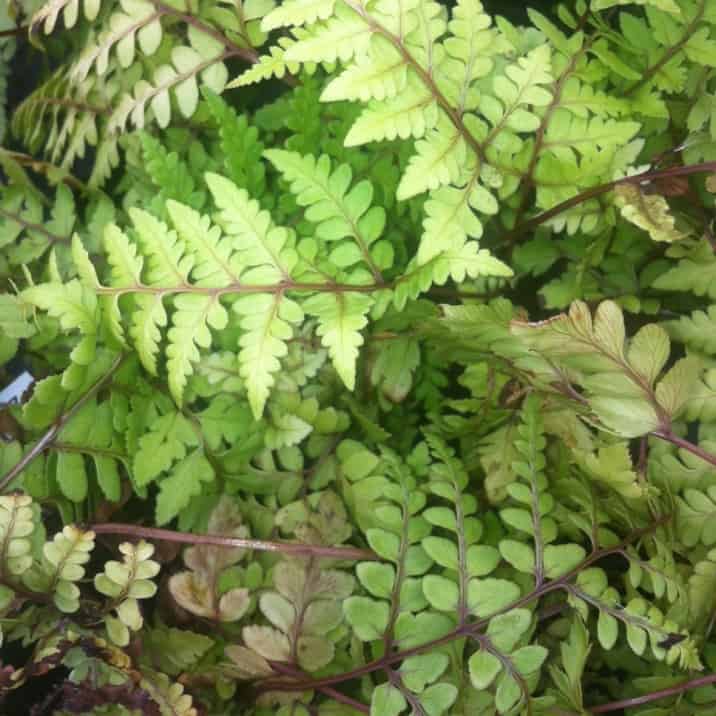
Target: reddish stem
327 690
302 550
597 191
654 695
685 445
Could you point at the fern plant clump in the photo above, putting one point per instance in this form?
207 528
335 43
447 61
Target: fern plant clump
372 350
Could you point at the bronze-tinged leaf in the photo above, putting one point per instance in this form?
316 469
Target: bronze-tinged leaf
278 610
234 604
289 578
247 663
269 643
194 593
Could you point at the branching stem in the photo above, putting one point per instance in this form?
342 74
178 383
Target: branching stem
597 191
293 548
464 630
49 437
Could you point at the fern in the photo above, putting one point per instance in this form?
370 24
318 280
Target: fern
411 348
634 369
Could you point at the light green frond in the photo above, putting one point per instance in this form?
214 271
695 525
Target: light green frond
470 49
212 251
580 98
568 133
697 331
518 91
267 321
166 263
16 528
190 328
74 304
137 22
450 220
48 14
341 37
189 67
665 5
63 566
125 264
442 158
702 401
696 273
258 243
338 210
410 114
467 261
273 64
297 12
147 321
341 317
382 74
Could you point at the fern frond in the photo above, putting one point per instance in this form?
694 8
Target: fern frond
48 14
442 158
26 233
196 589
167 263
698 331
266 321
125 583
337 211
170 175
645 624
214 264
64 118
701 586
192 317
273 64
262 246
695 272
595 352
240 146
16 526
169 696
449 219
340 37
702 402
62 567
297 12
179 77
341 317
467 261
137 21
381 76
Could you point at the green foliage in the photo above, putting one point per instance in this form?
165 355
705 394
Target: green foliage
399 316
